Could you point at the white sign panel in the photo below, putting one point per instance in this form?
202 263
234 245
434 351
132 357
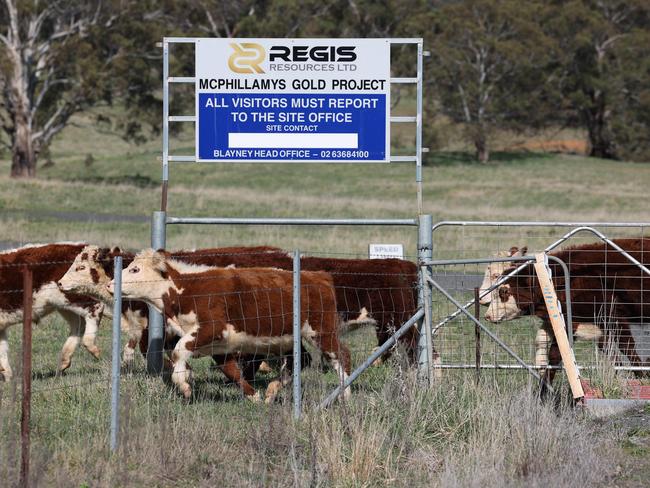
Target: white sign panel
306 100
385 251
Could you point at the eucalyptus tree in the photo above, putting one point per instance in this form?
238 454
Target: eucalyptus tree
604 51
489 66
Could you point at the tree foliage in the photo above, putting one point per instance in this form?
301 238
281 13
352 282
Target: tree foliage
604 52
488 67
496 64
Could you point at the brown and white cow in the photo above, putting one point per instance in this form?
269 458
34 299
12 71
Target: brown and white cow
93 270
609 295
229 310
379 292
48 263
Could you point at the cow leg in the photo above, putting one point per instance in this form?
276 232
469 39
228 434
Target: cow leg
286 375
137 336
181 373
338 355
608 345
627 345
229 366
264 367
437 361
383 335
128 354
555 358
542 342
410 341
73 340
90 331
5 368
252 365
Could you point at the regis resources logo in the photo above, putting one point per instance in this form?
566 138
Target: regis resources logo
246 57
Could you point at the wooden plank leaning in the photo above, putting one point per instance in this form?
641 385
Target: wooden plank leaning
559 327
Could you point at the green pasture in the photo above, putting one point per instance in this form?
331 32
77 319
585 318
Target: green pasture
109 200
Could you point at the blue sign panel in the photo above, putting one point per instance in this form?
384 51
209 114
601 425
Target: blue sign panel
315 100
241 126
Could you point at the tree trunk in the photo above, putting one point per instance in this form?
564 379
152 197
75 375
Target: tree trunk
600 142
482 150
23 162
18 102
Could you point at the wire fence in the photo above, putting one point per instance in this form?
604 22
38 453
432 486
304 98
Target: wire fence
243 316
234 307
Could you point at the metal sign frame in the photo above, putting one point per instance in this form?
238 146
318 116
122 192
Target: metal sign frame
177 158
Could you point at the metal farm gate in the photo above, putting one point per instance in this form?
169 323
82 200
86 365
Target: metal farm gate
463 250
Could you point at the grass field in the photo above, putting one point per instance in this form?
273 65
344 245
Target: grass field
393 433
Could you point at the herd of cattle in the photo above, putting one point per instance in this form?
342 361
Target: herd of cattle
235 304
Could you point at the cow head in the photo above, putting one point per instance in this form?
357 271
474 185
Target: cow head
512 299
90 272
146 278
494 271
503 305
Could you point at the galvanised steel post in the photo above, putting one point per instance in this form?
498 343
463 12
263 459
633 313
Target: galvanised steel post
156 330
28 281
297 348
115 360
425 254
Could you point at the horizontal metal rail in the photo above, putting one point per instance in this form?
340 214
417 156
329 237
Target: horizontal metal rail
181 79
493 366
181 118
403 80
192 159
403 119
519 366
393 159
288 221
393 119
192 40
460 223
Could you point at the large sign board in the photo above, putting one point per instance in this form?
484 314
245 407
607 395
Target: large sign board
311 100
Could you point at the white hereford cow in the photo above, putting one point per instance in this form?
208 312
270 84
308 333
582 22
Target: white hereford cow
226 311
48 263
